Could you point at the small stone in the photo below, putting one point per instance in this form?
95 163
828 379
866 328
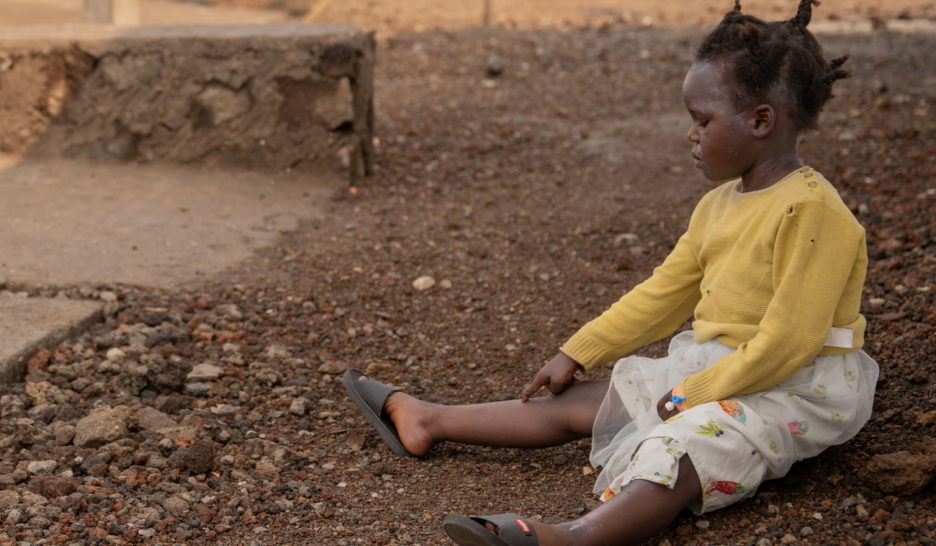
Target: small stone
152 419
229 311
15 516
788 539
196 459
114 354
495 66
108 296
175 505
277 350
299 406
702 524
197 388
41 467
204 372
817 516
861 512
806 531
445 283
8 499
102 427
225 409
847 136
95 464
266 467
875 303
356 441
424 283
587 471
53 486
332 367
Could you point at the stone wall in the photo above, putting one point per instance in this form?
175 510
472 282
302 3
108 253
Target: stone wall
282 96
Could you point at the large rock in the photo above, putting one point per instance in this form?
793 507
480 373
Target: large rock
102 427
903 472
262 96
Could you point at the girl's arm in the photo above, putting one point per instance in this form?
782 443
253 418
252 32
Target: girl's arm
653 310
819 249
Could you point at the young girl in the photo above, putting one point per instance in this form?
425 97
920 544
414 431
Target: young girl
771 269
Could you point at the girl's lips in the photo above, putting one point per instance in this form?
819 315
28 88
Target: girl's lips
697 160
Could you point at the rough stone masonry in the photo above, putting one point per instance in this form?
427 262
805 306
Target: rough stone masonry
281 96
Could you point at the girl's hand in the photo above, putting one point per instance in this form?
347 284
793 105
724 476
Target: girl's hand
556 376
661 407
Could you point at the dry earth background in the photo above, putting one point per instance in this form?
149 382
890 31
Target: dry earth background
533 199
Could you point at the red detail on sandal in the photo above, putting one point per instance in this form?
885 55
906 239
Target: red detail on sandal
524 527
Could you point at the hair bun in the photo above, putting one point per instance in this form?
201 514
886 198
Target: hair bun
803 14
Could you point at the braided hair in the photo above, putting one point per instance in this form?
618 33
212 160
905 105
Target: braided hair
780 55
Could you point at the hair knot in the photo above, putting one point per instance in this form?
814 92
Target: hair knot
762 56
803 14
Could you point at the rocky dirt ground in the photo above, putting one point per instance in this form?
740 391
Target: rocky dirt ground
215 413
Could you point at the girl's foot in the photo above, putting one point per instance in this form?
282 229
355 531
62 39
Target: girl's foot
412 418
388 411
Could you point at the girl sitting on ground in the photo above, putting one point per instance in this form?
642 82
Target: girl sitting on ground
771 268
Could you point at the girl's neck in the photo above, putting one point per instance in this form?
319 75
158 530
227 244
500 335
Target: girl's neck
768 172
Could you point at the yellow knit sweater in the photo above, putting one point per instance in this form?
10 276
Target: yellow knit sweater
775 273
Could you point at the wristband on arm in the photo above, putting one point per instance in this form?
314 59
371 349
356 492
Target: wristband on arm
677 400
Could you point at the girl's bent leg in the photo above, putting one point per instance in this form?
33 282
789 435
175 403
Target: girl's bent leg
639 511
541 422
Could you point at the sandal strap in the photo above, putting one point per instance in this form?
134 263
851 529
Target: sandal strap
511 528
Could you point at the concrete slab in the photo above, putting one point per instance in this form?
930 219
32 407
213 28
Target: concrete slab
30 324
70 222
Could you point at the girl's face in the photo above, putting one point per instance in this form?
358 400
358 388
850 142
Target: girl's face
721 134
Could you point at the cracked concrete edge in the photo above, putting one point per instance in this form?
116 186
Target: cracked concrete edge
86 314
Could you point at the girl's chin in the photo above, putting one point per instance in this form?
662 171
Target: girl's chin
718 178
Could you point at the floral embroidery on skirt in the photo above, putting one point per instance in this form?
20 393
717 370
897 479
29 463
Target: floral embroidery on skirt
734 444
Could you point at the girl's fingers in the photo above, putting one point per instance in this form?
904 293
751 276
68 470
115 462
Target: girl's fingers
531 388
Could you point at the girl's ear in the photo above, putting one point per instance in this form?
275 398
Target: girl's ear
765 119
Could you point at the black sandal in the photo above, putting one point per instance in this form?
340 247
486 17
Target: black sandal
370 396
512 530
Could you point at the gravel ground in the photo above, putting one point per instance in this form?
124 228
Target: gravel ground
532 199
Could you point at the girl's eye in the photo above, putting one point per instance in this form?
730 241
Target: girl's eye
702 124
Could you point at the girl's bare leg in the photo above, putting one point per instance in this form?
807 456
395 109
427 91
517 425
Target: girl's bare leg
636 513
541 422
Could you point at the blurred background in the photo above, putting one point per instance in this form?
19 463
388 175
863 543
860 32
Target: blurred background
390 17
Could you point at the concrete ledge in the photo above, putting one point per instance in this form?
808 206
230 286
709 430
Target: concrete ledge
279 96
30 324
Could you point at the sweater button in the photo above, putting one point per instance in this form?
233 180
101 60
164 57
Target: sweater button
812 184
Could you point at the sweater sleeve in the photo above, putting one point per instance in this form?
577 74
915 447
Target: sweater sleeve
651 311
814 252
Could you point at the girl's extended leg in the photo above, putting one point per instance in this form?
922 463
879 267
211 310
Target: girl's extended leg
541 422
639 511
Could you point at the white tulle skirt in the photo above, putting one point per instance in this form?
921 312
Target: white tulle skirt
734 444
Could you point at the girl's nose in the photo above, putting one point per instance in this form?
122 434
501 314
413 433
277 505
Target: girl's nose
692 135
